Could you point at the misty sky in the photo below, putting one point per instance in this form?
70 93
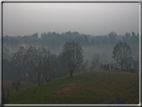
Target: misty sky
86 18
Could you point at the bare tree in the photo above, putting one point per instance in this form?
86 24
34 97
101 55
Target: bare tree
46 65
17 60
49 66
122 53
41 59
30 62
72 56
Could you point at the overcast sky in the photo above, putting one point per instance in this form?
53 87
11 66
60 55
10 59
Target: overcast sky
87 18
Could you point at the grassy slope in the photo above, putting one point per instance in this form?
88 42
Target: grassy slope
88 87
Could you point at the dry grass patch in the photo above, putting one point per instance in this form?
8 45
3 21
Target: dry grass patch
6 84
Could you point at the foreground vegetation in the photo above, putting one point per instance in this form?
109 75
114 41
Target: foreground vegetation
97 87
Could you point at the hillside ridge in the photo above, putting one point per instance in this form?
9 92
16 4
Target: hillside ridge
94 87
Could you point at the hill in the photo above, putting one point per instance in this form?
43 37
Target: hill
97 87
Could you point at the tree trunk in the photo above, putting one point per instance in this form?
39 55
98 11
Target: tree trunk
46 78
121 66
39 78
49 76
71 74
35 79
24 76
43 76
38 83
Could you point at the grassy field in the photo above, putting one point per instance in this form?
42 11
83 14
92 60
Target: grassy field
100 87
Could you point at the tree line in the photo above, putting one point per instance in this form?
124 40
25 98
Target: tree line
39 64
55 40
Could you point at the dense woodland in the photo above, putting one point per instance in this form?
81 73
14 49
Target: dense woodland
41 59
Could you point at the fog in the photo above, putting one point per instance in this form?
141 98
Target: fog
87 18
95 27
91 45
51 25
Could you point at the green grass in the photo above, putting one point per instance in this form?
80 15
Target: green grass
99 87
